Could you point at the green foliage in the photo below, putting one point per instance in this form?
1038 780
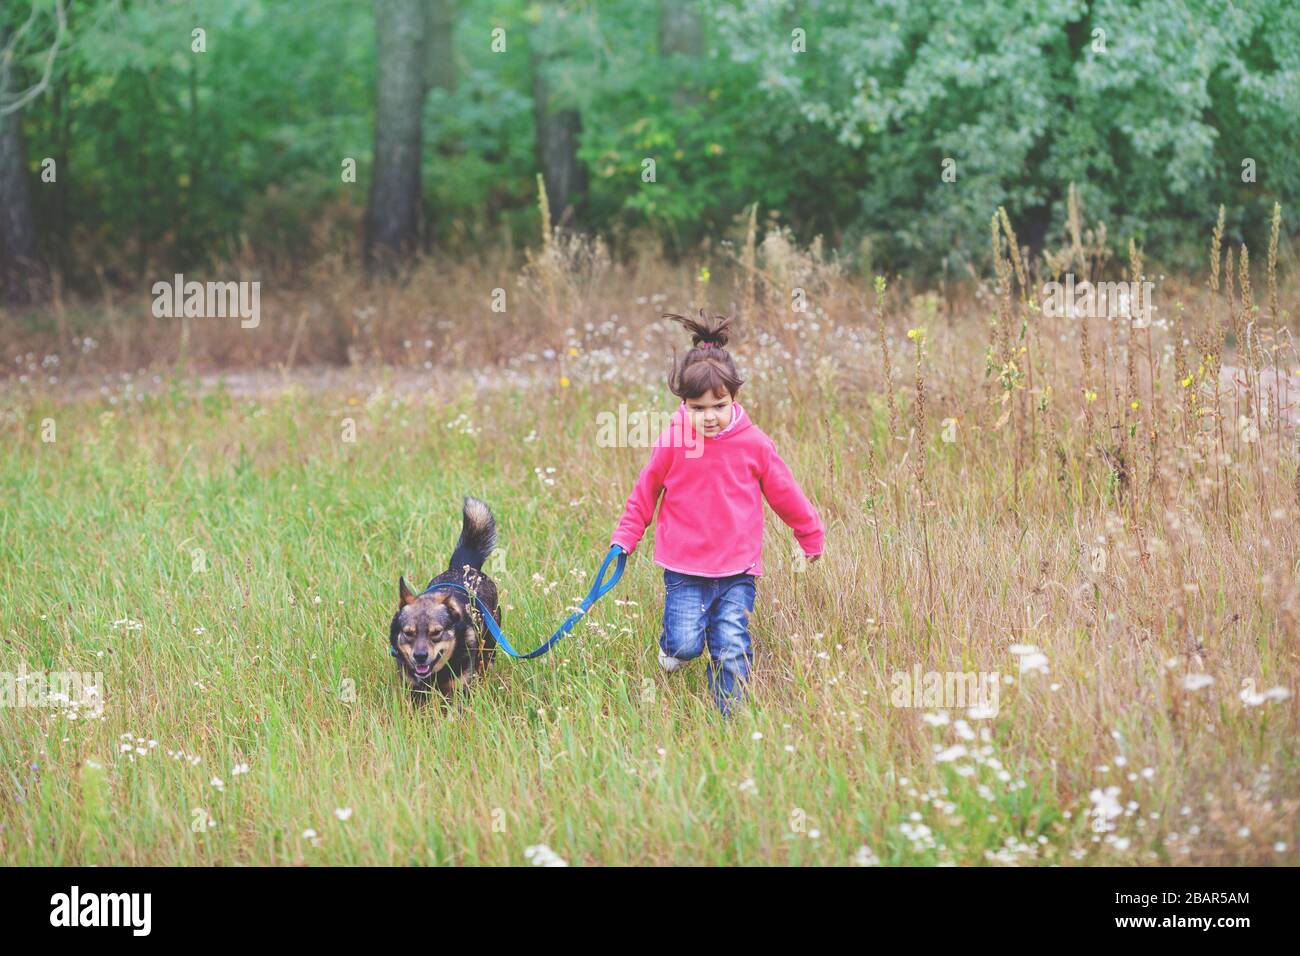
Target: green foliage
163 152
1152 117
168 157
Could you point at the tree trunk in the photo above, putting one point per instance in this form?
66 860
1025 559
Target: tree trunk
56 229
22 273
557 141
402 50
679 28
680 35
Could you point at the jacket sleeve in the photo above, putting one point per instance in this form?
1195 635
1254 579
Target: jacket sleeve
789 502
641 503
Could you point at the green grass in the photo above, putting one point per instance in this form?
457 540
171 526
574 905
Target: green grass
260 555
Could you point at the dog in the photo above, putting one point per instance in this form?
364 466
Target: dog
438 637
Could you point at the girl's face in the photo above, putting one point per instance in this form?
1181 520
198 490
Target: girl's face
710 413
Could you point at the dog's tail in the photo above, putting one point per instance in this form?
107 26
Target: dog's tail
478 536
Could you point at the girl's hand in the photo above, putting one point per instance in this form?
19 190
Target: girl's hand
812 558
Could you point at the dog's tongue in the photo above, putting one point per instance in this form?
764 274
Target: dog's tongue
423 671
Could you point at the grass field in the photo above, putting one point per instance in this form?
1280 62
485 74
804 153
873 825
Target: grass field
228 563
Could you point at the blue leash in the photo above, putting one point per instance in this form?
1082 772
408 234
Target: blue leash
599 588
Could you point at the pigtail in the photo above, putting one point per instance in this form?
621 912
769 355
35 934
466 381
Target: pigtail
707 366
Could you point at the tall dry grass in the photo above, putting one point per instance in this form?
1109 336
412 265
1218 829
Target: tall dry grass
1112 499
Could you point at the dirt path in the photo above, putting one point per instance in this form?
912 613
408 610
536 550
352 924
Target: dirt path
267 383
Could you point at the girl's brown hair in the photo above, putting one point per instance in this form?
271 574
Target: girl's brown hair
707 366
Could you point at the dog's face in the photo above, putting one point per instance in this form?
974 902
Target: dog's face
428 628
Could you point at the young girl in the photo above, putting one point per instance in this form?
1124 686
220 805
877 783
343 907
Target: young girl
713 467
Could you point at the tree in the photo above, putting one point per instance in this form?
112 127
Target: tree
679 28
558 126
680 36
22 271
412 54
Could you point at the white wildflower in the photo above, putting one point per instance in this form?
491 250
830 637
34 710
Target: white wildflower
543 855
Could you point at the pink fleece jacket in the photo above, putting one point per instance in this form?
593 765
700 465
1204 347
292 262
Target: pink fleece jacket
711 520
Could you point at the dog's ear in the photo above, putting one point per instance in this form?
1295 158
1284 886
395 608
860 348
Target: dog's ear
405 595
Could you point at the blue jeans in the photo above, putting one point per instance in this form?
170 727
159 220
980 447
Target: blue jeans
704 612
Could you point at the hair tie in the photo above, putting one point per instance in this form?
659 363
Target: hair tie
707 345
